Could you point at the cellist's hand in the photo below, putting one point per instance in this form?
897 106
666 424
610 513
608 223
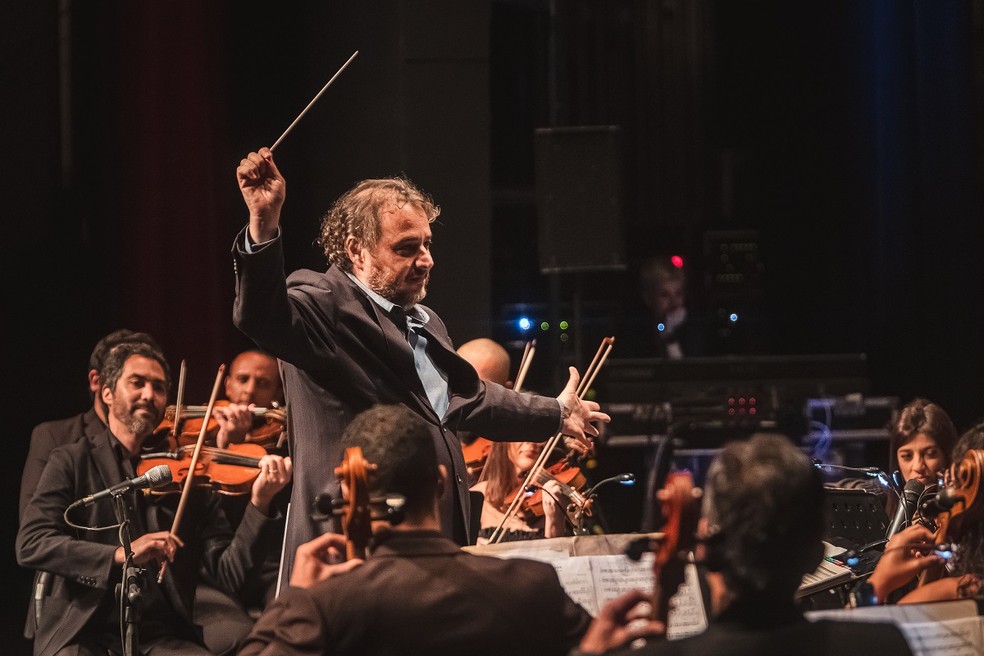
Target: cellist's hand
264 190
578 416
622 620
234 422
906 555
275 474
320 559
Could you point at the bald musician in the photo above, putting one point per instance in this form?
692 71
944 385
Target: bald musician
252 381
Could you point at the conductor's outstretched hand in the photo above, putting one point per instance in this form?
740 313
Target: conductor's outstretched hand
579 416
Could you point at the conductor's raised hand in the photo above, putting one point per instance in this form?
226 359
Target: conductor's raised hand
264 190
579 416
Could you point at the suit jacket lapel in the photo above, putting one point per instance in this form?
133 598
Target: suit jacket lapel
389 340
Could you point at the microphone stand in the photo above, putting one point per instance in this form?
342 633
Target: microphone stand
129 591
582 512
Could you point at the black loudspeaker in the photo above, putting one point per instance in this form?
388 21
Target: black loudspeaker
579 198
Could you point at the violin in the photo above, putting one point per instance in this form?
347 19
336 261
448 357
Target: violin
959 498
229 471
267 427
476 455
570 481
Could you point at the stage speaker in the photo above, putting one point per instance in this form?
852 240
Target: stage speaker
579 198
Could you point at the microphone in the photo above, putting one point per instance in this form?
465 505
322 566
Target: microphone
624 479
907 506
155 477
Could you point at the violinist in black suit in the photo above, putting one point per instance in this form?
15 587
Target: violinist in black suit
81 613
46 437
356 335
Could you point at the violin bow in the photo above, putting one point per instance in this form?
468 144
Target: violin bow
586 381
524 364
189 479
180 400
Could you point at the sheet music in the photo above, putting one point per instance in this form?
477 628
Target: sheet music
590 580
950 638
616 575
951 628
576 578
827 573
687 615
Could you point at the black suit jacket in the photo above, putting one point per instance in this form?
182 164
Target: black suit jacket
418 593
47 437
82 561
341 354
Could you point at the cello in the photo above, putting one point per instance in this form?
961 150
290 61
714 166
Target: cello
358 509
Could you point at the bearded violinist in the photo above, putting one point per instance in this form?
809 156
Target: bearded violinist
46 437
81 612
416 592
356 335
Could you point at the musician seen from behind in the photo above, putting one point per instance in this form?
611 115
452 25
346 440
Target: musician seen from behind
357 335
81 613
762 526
416 592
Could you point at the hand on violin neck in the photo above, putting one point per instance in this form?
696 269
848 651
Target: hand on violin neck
264 189
234 422
579 415
555 520
275 474
319 560
621 621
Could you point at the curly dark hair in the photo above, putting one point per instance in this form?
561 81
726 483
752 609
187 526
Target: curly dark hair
115 360
399 443
764 507
356 213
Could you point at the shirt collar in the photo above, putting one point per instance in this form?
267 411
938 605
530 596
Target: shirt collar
416 316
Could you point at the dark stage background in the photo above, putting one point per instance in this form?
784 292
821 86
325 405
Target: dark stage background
846 135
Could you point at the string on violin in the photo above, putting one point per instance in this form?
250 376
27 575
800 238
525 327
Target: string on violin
586 381
183 423
231 470
189 480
